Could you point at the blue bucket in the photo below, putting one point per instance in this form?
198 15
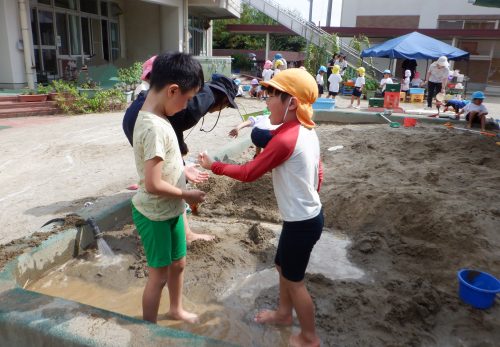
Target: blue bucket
477 288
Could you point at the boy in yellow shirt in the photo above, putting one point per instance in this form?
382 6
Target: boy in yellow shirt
158 206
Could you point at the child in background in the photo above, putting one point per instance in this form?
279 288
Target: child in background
475 109
387 79
260 122
416 82
279 66
158 205
254 90
358 87
237 82
293 156
405 86
267 74
457 105
334 82
320 79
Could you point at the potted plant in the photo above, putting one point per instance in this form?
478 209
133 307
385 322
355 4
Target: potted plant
371 87
89 88
34 95
129 79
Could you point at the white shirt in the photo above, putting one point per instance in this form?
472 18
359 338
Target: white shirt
319 79
437 75
262 122
472 107
360 81
334 81
300 171
267 74
384 81
406 84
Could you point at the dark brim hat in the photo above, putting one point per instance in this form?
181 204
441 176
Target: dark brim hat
226 86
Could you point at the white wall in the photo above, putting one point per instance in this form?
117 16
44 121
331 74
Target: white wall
429 10
12 72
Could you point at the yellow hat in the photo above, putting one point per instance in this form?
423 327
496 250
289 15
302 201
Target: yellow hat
278 63
361 71
300 84
335 69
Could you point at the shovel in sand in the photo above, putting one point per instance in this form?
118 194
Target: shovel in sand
485 133
391 124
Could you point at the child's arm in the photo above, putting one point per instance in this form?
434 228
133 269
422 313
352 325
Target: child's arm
156 185
234 132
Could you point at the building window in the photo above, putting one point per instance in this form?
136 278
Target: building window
479 24
86 36
62 33
69 4
105 39
34 26
115 41
476 47
46 2
104 8
74 34
450 24
46 21
89 6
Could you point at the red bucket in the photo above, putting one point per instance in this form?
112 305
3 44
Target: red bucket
409 122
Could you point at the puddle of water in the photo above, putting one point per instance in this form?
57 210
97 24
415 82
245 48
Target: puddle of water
93 281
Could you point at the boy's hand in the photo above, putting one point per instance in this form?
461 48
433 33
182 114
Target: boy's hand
205 160
234 132
194 175
193 196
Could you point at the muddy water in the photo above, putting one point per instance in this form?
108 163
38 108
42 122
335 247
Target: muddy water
111 284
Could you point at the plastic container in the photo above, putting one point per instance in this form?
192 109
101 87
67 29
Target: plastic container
477 288
376 102
417 90
324 104
409 122
392 87
391 99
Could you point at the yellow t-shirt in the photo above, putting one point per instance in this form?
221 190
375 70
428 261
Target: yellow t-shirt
155 137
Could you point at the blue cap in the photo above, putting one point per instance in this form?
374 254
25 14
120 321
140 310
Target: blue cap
278 56
322 68
237 81
387 71
478 95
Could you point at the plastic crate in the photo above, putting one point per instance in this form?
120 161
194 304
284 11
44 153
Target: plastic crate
376 102
391 99
417 91
393 87
347 90
324 104
417 98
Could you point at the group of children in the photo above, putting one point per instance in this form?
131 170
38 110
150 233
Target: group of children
270 69
291 153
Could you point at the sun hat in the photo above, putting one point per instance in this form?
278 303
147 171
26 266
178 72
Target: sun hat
226 86
478 95
443 61
278 56
278 63
300 84
268 64
254 82
237 81
322 68
147 67
361 70
335 69
407 73
387 71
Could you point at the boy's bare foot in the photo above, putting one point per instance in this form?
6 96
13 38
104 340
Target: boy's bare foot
183 315
191 236
300 341
271 317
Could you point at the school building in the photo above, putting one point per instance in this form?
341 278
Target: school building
43 39
475 29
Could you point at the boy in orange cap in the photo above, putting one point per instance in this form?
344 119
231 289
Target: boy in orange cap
293 155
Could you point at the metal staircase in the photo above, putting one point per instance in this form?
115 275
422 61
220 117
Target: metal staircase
309 31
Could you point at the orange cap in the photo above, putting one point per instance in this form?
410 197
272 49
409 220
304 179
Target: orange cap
300 84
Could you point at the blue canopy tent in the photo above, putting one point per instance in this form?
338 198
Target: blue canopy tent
414 46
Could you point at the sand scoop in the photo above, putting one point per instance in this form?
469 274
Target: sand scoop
391 124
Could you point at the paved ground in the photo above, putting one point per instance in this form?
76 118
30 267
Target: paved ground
51 166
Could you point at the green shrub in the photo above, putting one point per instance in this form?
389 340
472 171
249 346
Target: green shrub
105 100
130 77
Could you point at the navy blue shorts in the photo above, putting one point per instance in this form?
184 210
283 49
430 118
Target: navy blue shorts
295 245
356 91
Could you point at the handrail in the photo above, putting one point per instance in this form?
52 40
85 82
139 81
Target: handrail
308 27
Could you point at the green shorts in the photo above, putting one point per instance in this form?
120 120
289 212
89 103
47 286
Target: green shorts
163 241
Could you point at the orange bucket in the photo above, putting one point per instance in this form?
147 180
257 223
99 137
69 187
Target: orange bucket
409 122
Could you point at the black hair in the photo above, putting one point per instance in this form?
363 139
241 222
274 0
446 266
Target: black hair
273 91
220 99
176 68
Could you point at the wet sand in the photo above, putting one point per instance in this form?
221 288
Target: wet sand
418 205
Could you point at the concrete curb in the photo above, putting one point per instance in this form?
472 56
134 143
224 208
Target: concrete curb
32 319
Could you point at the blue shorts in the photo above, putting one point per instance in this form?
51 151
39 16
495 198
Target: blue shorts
295 245
357 92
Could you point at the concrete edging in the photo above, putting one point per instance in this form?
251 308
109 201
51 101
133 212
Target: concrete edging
32 319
